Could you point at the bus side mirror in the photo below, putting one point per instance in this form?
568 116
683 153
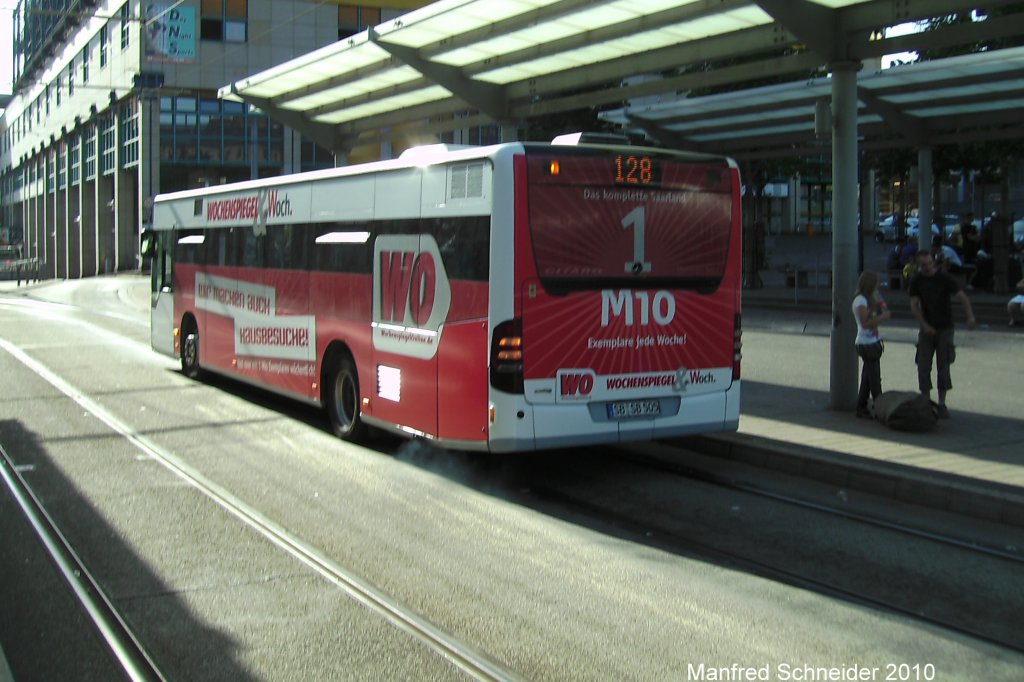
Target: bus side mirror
147 245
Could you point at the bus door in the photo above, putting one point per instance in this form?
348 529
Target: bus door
410 303
160 246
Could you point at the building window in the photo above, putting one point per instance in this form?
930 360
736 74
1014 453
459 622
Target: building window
85 64
179 133
89 152
47 96
129 135
71 77
74 160
62 176
210 131
477 135
125 27
108 146
104 45
58 87
224 20
352 19
315 157
234 132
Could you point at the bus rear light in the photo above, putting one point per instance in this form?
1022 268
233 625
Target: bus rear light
510 349
507 356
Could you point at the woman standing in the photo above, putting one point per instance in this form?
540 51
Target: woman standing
870 310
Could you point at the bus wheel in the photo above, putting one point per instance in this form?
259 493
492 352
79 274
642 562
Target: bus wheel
343 400
190 355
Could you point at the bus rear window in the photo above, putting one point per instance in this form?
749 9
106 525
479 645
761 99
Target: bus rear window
610 219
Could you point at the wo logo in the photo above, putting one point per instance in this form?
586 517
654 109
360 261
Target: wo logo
411 295
575 384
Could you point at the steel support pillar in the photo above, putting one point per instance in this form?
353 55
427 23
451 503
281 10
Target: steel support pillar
843 371
924 199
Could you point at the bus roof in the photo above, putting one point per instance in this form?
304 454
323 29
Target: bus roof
416 156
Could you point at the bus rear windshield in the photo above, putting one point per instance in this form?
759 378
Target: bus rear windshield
628 219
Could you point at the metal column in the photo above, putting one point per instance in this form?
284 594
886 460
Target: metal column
924 199
843 370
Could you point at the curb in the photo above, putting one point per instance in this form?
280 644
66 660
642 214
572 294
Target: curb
940 491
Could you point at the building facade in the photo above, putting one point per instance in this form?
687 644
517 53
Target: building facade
116 101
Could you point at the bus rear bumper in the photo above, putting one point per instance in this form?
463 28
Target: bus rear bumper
559 426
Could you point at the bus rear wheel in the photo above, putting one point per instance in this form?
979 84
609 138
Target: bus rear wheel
343 400
190 354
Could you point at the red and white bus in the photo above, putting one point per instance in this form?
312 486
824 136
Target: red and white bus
504 298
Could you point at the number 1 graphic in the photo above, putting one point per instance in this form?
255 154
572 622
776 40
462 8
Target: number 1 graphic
636 219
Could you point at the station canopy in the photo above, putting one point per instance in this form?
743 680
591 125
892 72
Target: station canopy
959 99
461 63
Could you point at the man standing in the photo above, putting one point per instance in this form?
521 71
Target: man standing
931 302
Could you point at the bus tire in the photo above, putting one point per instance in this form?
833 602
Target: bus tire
343 400
190 353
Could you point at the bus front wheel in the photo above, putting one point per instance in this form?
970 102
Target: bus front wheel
190 354
343 400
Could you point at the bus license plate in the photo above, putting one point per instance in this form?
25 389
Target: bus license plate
633 408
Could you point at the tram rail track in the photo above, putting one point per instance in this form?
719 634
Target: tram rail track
663 537
118 636
709 475
475 664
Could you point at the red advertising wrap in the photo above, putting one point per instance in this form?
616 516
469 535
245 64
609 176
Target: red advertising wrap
506 298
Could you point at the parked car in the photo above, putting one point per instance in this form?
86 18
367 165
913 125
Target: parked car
912 231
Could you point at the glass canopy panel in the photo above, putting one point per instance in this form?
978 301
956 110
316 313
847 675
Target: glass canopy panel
448 20
837 4
741 119
353 89
478 52
766 131
967 109
303 73
622 47
385 105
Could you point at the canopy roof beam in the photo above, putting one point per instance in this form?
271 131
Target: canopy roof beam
327 136
487 97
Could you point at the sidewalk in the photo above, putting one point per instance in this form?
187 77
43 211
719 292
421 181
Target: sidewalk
972 464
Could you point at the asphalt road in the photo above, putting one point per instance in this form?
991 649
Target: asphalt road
167 488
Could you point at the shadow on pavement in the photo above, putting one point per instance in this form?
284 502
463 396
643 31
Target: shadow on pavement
44 631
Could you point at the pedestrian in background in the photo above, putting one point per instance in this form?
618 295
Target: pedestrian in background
1016 305
870 310
931 302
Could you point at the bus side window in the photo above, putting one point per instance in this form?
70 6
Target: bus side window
253 248
464 243
219 247
232 246
279 246
301 239
190 247
343 247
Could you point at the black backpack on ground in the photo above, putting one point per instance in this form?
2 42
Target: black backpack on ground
906 411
